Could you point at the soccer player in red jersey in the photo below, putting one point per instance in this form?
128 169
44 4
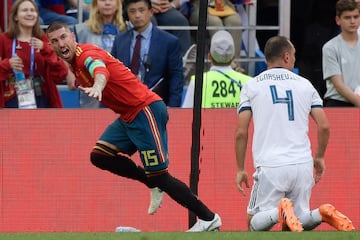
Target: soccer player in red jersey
141 125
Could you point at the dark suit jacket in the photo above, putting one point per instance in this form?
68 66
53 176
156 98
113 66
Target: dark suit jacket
166 63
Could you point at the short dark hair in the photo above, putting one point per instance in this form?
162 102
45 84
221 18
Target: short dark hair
345 5
56 26
127 2
275 47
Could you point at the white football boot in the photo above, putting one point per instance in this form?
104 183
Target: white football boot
204 226
156 199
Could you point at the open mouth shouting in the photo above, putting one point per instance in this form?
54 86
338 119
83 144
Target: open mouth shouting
65 54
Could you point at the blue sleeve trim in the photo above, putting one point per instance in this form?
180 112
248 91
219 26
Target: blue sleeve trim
244 109
316 106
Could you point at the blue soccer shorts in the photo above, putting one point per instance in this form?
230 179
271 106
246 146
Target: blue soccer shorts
146 134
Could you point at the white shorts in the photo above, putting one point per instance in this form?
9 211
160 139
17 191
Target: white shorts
273 183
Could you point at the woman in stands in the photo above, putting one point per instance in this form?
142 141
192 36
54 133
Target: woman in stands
105 22
25 47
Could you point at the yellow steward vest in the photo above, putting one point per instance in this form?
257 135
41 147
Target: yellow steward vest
219 91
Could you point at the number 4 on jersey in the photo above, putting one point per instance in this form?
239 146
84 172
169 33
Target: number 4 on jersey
287 100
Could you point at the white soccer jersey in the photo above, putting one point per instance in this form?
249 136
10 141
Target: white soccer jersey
280 102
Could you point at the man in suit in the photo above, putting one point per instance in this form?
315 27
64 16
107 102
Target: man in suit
160 65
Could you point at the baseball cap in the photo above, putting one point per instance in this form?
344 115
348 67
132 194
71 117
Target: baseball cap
222 48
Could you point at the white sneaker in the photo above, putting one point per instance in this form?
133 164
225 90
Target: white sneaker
203 226
156 199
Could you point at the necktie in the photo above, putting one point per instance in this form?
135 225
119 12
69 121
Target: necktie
135 62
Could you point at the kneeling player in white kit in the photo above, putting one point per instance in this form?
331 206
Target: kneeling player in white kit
280 103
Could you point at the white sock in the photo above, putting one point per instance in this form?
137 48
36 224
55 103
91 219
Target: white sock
311 219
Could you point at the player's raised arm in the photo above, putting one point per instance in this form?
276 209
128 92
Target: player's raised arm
96 90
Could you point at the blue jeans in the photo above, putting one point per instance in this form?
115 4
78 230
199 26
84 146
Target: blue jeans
47 17
86 14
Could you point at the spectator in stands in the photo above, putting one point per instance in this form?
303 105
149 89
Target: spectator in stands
25 47
104 23
166 14
71 7
220 16
221 85
341 58
54 10
160 62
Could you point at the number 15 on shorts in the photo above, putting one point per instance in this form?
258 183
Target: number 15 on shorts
150 158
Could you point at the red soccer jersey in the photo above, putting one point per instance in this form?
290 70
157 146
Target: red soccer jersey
123 93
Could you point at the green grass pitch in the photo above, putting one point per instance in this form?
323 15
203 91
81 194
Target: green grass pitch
314 235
